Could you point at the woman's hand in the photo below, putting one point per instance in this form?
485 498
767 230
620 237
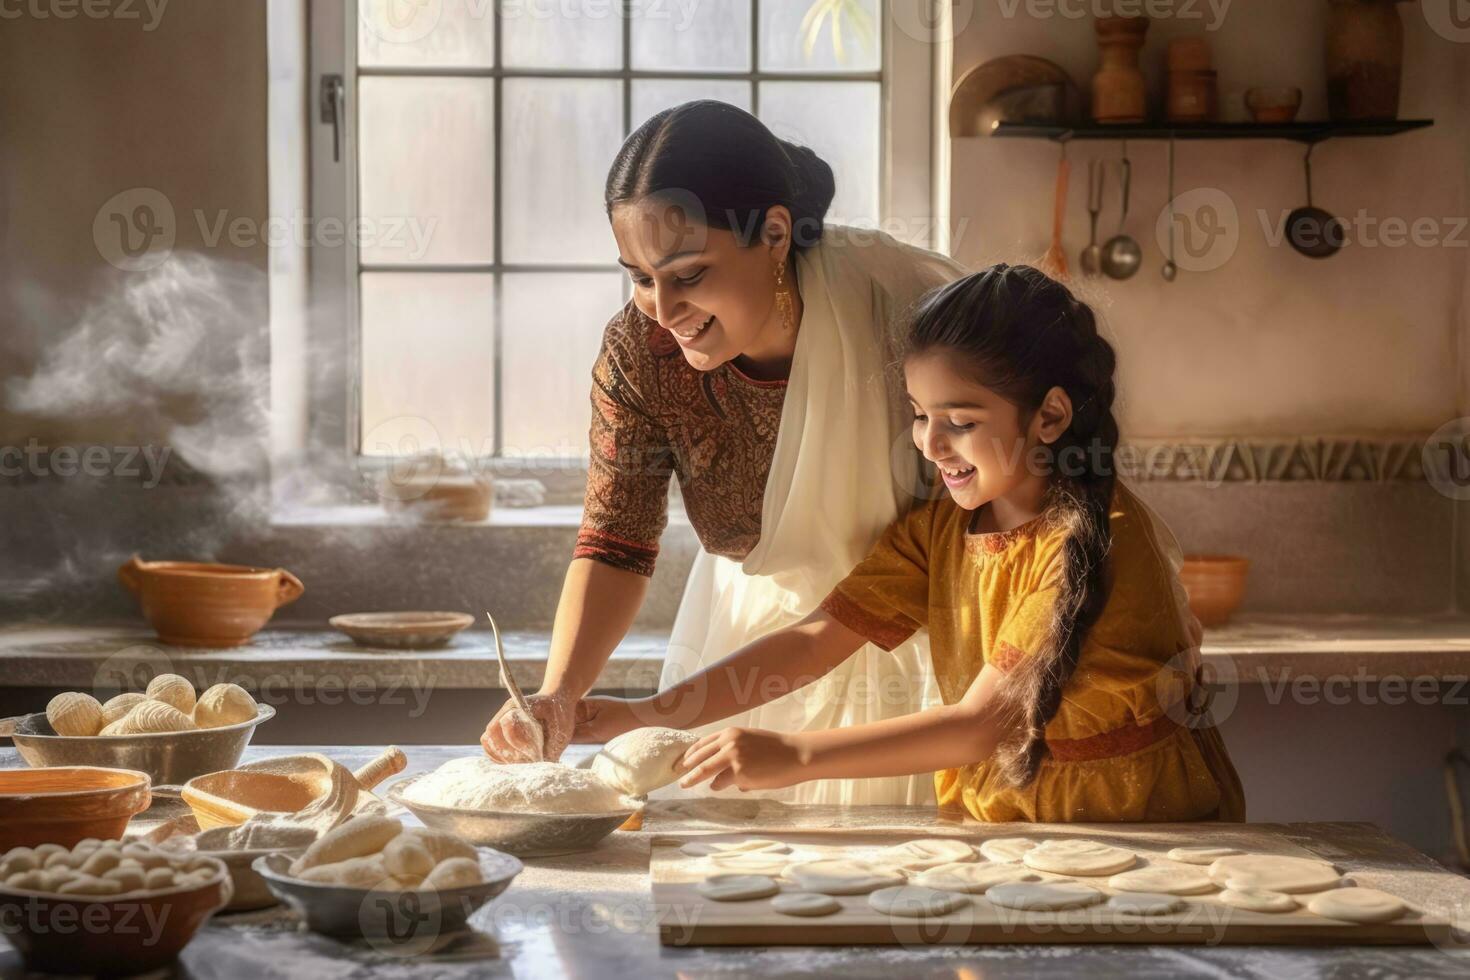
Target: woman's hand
600 719
508 738
746 758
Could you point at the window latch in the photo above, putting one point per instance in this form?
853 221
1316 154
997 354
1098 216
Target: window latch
333 103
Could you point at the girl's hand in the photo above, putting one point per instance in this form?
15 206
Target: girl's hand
600 719
746 758
508 738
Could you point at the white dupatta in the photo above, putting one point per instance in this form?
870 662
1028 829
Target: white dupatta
844 468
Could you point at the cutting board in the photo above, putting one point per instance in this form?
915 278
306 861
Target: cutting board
686 918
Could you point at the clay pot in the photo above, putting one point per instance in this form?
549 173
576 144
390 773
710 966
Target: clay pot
1215 585
1118 91
1273 105
1365 59
1192 96
66 804
199 604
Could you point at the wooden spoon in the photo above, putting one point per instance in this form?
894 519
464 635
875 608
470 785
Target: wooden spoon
1054 262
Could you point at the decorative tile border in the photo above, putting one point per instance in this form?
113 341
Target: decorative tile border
1255 460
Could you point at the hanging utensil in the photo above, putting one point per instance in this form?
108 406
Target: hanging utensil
1171 270
1312 231
1097 175
1054 262
508 679
1121 256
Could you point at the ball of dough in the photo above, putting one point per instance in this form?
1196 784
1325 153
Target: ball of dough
365 871
117 708
172 689
152 717
362 836
224 704
640 761
453 873
74 713
406 856
480 783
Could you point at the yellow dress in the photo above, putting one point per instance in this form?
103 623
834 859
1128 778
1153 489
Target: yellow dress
1128 742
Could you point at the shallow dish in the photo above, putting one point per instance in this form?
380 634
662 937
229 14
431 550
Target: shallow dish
132 933
401 630
404 917
66 804
167 757
525 834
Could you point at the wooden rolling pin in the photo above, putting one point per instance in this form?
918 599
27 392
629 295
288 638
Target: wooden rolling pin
311 786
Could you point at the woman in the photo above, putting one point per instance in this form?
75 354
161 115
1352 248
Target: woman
753 364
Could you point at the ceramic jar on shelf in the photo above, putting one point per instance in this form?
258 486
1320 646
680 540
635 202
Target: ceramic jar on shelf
1365 59
1119 95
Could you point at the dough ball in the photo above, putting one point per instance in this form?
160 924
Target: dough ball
641 761
84 884
117 708
454 873
159 878
74 713
406 856
442 845
153 717
172 689
481 783
805 903
131 879
361 836
26 881
737 888
224 704
18 859
366 871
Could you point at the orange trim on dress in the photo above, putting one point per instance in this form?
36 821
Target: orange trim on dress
1110 744
877 630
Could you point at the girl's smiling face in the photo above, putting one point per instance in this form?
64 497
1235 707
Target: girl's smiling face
982 444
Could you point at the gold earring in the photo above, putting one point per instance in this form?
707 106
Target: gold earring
783 299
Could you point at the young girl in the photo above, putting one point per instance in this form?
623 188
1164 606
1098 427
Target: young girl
1063 651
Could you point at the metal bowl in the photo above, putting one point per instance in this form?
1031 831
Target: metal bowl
526 834
405 918
167 757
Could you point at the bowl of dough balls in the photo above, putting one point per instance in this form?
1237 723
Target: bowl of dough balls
372 877
167 731
104 907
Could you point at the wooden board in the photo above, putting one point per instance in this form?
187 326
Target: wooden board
688 919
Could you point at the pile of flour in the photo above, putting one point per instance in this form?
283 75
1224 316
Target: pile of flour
480 783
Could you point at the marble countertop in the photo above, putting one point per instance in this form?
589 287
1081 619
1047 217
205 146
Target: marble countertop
1256 649
591 915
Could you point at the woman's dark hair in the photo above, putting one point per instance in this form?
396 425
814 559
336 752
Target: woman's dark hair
1020 333
721 161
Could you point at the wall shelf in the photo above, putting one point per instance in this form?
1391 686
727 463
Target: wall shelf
1300 132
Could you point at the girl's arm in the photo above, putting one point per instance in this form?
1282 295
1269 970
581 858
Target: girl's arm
944 737
761 671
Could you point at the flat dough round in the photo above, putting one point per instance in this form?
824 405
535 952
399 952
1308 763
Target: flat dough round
1071 856
805 903
737 888
1161 879
916 901
1200 855
748 862
1357 905
1274 872
1044 896
973 878
838 876
918 855
1146 903
1258 900
700 848
1006 850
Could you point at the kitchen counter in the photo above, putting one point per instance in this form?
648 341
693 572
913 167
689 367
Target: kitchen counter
590 915
1264 650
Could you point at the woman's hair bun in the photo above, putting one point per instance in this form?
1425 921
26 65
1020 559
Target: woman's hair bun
815 187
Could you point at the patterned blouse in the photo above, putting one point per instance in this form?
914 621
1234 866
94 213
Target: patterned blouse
654 416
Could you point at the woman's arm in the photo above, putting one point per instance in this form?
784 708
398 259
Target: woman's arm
759 672
943 737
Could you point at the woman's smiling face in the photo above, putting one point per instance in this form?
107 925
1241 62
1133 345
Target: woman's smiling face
716 297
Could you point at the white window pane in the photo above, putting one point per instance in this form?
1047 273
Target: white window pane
839 120
652 95
417 33
426 169
428 347
847 38
713 35
551 329
560 137
561 34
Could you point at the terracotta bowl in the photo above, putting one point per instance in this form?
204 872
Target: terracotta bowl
1273 105
129 934
402 630
1215 584
67 804
198 604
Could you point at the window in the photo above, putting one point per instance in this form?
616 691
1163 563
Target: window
472 154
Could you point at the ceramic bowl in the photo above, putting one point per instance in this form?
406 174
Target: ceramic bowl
199 604
1215 584
401 630
1273 105
69 803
